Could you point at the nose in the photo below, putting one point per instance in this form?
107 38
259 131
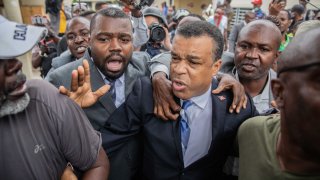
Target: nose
114 45
252 53
180 68
13 66
79 39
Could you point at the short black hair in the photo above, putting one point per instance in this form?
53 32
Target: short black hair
274 19
109 12
288 13
86 13
203 28
197 16
101 3
298 8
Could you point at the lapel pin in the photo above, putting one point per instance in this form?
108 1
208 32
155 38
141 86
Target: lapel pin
222 98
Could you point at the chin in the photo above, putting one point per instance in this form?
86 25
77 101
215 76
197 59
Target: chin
181 95
114 75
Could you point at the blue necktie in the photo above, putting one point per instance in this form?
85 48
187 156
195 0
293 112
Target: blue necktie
184 127
112 90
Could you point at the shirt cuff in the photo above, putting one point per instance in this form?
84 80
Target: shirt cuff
158 67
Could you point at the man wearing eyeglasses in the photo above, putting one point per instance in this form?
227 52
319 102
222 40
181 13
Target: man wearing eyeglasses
285 146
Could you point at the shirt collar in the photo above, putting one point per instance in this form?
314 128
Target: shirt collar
265 91
201 100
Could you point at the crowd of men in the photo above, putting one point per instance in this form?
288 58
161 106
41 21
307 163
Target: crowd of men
129 94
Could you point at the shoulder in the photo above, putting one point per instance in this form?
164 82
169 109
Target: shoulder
139 61
259 124
39 86
68 67
63 59
45 95
163 57
138 56
227 96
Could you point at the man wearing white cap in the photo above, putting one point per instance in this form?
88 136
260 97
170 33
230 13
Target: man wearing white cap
41 130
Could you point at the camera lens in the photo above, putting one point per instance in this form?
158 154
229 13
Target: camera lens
157 33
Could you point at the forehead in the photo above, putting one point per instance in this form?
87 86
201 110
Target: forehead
283 14
151 19
258 35
112 25
78 25
195 46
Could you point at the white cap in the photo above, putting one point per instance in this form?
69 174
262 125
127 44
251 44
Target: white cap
17 39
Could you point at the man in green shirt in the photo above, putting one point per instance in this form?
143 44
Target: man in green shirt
286 146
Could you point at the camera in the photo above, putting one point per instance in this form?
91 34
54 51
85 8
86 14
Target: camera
143 3
157 33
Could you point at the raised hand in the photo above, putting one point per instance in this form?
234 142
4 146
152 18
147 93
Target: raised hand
81 91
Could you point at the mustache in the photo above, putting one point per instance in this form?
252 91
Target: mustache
246 62
115 54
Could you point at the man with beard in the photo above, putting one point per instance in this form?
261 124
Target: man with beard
78 36
38 134
197 144
112 61
286 146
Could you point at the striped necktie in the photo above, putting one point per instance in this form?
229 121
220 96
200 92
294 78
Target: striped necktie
184 127
112 90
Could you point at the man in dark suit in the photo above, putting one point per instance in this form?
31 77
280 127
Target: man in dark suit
197 145
111 62
233 37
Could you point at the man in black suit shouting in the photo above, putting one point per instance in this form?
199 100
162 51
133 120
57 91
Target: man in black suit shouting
197 145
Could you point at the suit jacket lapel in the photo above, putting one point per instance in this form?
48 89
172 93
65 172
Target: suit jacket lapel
130 77
96 83
219 106
177 135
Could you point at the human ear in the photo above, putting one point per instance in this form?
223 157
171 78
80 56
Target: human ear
216 67
277 90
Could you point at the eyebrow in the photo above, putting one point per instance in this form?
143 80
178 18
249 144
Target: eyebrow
192 57
259 44
112 34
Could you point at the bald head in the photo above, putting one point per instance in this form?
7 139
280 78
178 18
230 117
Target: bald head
303 50
78 19
262 28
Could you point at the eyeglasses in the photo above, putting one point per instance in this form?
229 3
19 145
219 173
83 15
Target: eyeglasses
298 68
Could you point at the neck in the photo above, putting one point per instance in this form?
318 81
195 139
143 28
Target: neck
10 107
294 159
254 87
283 38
